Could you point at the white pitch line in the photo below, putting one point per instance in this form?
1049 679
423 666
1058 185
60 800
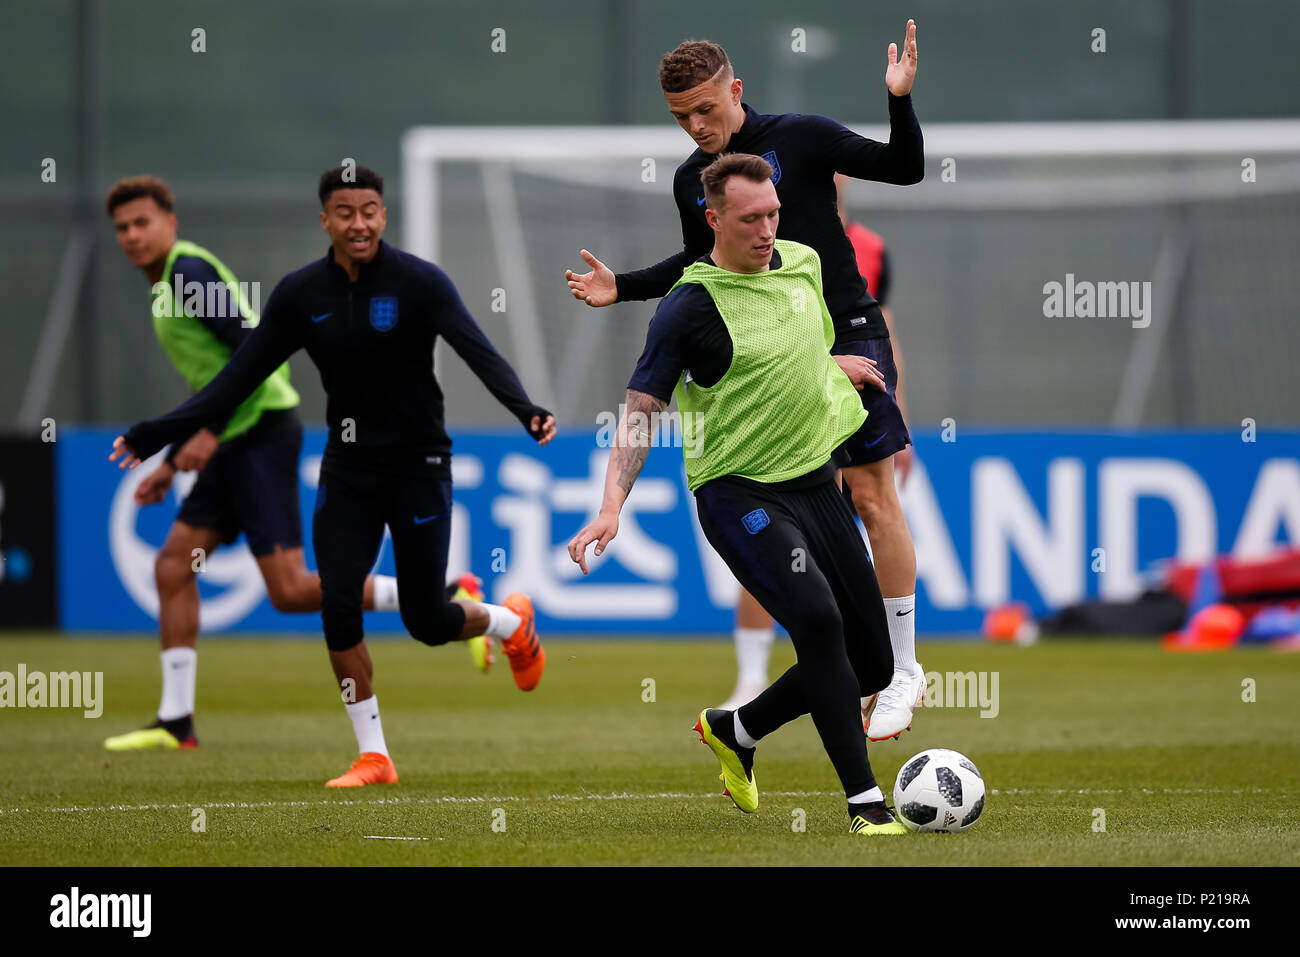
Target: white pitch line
446 799
1138 790
618 796
389 837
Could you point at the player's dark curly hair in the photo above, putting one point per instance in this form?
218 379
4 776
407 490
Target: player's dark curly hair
136 187
715 175
690 64
357 177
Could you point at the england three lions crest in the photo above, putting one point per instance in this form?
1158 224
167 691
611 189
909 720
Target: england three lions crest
770 156
383 312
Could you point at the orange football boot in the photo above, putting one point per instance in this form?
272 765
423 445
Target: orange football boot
527 656
370 768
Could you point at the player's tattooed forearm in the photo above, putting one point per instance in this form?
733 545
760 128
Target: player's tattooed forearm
633 445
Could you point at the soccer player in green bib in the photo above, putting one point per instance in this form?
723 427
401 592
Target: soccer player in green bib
743 340
247 463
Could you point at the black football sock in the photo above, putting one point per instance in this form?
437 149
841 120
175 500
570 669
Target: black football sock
874 811
179 728
723 728
724 731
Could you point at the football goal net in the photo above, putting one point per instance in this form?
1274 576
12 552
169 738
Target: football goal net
1020 266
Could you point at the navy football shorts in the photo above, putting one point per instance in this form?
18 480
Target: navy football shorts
884 433
250 485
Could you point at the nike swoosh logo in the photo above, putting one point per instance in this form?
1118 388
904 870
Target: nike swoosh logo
319 318
867 445
700 201
422 521
903 614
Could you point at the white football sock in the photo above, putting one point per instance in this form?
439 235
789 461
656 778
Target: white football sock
868 797
742 736
368 727
901 613
502 622
179 667
385 593
753 648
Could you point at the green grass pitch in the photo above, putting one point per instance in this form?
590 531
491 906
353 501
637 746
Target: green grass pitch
585 771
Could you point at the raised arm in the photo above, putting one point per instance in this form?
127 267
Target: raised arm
901 161
653 282
457 326
275 339
601 287
631 448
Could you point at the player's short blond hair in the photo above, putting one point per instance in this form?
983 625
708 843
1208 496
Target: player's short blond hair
692 63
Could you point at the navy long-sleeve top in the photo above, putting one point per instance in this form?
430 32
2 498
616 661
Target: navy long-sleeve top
372 341
806 152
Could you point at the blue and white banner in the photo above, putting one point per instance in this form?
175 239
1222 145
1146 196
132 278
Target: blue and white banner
1049 518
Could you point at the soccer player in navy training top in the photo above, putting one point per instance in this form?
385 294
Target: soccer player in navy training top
247 460
805 152
369 315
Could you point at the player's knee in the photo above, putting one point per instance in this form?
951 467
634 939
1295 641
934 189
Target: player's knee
172 569
339 639
341 620
870 500
433 624
822 621
282 599
292 596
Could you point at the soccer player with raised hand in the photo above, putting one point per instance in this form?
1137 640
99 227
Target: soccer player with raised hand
743 340
805 152
369 315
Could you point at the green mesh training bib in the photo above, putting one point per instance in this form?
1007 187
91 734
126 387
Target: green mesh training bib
198 355
783 405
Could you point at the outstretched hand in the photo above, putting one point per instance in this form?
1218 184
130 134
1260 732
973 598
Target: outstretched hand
899 74
595 288
153 487
542 431
120 448
195 454
600 530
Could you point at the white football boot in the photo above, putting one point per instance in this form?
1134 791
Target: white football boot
892 713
